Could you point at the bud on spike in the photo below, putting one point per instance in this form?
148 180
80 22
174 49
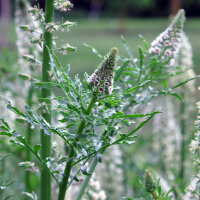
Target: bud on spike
166 45
150 185
102 78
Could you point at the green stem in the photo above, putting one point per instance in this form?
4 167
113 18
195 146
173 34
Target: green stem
183 143
69 164
45 189
86 181
155 196
28 139
87 112
63 185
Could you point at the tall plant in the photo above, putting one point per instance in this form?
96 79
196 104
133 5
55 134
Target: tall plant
96 113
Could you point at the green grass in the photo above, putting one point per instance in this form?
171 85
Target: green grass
105 34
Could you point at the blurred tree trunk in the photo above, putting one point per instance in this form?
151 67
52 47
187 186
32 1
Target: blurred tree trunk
174 6
5 22
95 9
122 19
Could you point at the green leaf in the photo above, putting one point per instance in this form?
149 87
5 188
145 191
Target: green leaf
25 77
131 115
144 42
6 185
32 195
46 84
5 123
2 158
184 82
84 170
12 108
176 95
168 193
93 50
36 149
120 70
125 44
6 133
138 86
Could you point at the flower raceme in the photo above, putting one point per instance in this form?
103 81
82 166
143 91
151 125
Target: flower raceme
166 45
102 78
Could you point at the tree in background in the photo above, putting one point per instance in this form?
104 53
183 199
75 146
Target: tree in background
175 5
95 10
5 21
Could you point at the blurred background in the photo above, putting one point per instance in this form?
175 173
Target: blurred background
100 23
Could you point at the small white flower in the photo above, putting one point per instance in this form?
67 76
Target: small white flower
168 53
167 43
157 50
102 195
194 146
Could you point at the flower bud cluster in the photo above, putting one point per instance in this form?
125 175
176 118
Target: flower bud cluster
112 179
150 185
102 79
194 146
95 191
185 55
67 47
51 27
166 45
37 13
63 5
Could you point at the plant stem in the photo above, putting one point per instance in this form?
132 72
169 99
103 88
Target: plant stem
28 139
86 181
183 143
155 196
63 185
69 164
45 189
87 112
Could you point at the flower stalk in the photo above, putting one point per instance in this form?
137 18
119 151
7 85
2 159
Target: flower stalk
46 139
87 179
28 138
63 185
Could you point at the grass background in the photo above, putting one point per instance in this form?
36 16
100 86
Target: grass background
105 34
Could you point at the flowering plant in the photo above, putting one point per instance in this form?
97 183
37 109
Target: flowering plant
96 113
